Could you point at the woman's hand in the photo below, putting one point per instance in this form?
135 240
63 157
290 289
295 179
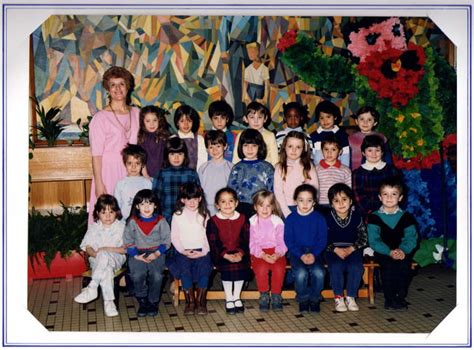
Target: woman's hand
100 189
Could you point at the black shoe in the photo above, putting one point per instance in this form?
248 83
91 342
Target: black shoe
142 307
389 305
400 305
231 308
314 306
277 302
152 309
239 309
304 307
264 302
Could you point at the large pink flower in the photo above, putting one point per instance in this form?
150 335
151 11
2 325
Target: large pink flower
377 38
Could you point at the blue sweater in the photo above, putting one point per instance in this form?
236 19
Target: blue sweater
305 234
250 176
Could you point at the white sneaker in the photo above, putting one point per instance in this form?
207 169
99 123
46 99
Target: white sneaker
88 294
110 309
340 305
351 304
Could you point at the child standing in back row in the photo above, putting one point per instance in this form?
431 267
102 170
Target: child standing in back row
366 119
329 117
295 116
267 249
152 136
186 121
257 117
222 116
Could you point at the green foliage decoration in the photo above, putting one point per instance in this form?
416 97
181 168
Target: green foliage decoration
415 128
52 233
325 73
50 126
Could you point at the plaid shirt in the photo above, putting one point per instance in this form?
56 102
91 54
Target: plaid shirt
166 186
366 184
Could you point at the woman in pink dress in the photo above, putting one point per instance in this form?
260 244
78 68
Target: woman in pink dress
110 131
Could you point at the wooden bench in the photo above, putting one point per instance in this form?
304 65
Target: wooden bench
366 291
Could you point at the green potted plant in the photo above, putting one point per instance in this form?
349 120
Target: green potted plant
54 243
50 126
84 135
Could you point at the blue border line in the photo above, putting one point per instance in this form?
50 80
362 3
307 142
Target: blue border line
4 180
5 8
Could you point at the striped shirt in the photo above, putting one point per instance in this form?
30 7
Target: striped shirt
329 175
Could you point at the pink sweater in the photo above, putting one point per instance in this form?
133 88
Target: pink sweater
266 233
284 190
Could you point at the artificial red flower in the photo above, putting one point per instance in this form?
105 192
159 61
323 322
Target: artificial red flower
394 74
287 40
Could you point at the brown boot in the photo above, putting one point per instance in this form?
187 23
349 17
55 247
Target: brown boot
190 301
201 301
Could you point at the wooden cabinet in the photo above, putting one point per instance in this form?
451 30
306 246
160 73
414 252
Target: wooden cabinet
60 174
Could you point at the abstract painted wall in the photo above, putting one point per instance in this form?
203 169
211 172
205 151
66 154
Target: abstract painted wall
190 59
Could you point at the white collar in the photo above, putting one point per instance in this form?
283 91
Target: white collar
306 214
288 129
382 210
273 218
224 130
235 216
334 129
379 165
182 135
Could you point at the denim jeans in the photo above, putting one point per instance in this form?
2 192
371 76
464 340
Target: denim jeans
147 277
352 265
309 279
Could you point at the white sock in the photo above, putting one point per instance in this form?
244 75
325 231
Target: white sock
228 290
93 284
237 290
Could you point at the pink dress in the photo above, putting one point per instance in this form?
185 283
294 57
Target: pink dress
107 139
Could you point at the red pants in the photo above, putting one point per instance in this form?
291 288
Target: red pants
261 269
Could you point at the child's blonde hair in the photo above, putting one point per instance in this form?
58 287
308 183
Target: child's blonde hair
261 196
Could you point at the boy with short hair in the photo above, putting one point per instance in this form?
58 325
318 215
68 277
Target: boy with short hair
329 117
367 119
393 236
367 178
330 170
214 174
134 157
221 116
257 117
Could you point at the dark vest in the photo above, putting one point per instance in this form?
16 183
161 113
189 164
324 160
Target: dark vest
346 234
392 237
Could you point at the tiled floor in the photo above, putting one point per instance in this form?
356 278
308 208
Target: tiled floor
432 296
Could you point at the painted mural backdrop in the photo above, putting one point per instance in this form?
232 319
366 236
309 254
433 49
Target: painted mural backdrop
397 65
